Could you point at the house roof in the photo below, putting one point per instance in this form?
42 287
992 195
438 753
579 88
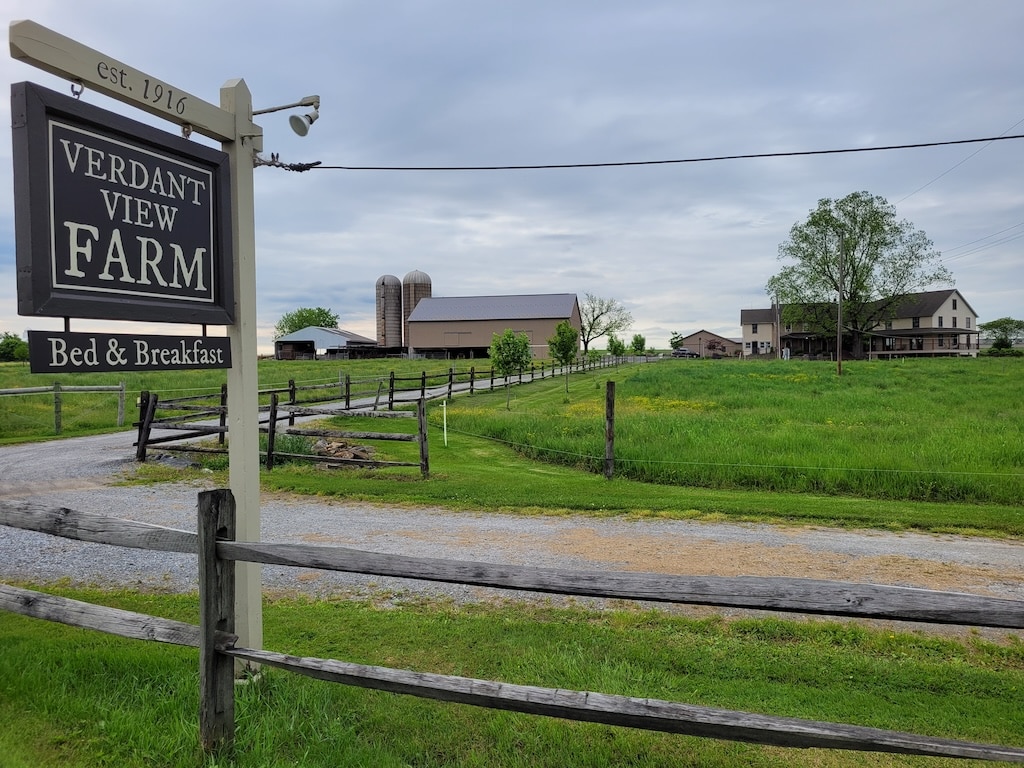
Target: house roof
748 316
528 307
325 338
924 304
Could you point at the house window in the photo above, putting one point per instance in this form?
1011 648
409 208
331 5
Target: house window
940 321
746 345
967 320
942 340
917 322
954 322
789 328
888 325
954 303
753 328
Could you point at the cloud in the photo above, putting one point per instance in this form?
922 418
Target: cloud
456 82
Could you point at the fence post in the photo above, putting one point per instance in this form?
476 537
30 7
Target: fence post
223 413
216 614
472 378
423 384
421 418
148 411
492 378
120 405
451 382
57 407
348 391
271 431
291 401
609 430
391 391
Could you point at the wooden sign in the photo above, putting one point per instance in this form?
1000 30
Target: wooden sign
115 219
65 352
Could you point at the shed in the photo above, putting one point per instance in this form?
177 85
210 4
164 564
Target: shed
316 342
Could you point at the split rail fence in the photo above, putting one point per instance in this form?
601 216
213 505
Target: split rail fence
217 551
59 390
205 415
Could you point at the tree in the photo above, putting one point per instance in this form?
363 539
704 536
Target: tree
509 352
615 346
564 347
714 346
303 317
676 340
601 317
12 348
1003 332
638 344
857 249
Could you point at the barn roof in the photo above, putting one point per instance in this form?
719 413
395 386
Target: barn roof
528 307
325 338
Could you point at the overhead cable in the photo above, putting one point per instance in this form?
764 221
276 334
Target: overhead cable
755 156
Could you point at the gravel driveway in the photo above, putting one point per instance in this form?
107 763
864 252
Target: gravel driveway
77 473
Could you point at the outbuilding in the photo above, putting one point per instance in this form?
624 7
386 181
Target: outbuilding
464 326
315 342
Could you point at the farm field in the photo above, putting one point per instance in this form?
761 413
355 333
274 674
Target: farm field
88 699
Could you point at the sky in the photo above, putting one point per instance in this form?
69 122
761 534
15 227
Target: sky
684 247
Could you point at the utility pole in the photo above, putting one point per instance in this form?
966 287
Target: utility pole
839 309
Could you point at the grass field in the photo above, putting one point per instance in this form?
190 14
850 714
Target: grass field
711 439
76 698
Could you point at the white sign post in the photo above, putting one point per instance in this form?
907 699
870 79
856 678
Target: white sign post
231 124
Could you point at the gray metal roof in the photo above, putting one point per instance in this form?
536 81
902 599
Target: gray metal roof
530 307
325 338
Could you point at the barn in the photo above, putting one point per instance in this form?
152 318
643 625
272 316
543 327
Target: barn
463 326
315 343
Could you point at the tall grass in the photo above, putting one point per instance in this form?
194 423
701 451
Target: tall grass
934 430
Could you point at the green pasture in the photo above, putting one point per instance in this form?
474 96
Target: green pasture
75 698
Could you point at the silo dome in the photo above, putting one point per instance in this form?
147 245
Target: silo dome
415 286
389 311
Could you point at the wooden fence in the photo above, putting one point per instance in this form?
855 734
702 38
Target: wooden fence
193 416
218 649
58 391
197 418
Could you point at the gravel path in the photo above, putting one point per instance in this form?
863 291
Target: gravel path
77 473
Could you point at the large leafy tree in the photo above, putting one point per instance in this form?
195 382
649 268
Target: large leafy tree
509 352
601 317
638 345
564 347
303 317
855 248
1003 332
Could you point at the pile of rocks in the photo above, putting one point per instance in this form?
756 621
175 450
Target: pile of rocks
340 449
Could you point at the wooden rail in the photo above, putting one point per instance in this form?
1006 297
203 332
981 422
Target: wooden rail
58 391
217 643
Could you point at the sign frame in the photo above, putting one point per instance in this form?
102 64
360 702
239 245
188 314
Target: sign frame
34 110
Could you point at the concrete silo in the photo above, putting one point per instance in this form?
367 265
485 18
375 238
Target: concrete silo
415 286
389 311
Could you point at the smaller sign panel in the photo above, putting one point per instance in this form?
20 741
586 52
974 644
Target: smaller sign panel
66 352
115 219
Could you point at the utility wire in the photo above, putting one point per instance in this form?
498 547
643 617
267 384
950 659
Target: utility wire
660 162
957 165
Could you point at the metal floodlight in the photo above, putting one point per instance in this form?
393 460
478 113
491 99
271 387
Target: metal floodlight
301 123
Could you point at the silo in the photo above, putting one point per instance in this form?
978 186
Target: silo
415 286
389 311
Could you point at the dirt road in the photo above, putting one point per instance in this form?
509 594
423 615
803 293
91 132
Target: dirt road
79 473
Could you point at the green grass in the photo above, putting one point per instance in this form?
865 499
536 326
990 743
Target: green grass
78 698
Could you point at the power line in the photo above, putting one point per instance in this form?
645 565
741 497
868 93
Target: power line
957 165
754 156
